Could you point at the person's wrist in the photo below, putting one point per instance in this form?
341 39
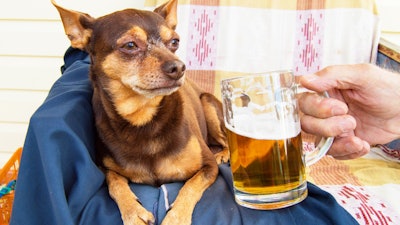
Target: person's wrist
394 123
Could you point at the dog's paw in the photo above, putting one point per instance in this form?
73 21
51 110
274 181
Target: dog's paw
222 156
138 217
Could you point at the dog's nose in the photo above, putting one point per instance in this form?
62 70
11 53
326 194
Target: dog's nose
174 69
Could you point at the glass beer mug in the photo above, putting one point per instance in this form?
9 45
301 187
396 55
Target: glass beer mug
265 140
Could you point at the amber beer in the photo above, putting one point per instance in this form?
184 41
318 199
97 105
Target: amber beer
266 166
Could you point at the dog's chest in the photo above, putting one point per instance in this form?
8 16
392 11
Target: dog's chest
159 168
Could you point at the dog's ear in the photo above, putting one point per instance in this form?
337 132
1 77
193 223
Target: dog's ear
76 25
168 10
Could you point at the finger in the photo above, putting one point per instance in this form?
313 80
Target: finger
329 127
318 106
350 147
340 77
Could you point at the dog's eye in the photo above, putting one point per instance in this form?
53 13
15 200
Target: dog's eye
130 46
173 44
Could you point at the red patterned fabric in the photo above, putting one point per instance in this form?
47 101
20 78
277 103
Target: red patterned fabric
395 153
202 38
309 46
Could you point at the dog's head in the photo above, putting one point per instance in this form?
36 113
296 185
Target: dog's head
133 47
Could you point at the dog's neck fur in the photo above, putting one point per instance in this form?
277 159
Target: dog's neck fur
133 128
137 109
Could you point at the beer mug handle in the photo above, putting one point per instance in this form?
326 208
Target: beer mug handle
324 143
320 151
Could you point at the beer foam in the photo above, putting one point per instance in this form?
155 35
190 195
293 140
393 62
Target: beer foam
264 127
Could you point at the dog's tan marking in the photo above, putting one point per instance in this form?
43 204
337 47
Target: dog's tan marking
185 202
114 68
79 39
183 165
131 210
137 109
125 78
150 83
135 172
214 117
136 34
213 122
190 194
166 33
180 167
130 73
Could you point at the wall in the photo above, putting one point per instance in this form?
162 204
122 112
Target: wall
32 43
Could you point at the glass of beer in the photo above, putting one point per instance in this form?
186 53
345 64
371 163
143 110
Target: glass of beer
265 140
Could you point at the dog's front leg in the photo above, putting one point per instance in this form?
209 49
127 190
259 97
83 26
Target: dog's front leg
132 212
182 209
212 108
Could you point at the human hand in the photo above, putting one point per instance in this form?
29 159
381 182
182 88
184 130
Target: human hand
364 108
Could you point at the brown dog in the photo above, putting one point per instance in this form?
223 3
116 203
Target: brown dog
154 126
